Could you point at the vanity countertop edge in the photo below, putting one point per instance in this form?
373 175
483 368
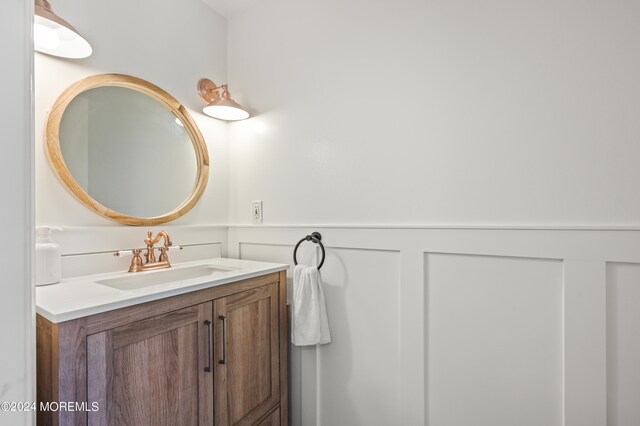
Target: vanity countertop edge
83 296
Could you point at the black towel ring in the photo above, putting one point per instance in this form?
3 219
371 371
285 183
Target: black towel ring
315 237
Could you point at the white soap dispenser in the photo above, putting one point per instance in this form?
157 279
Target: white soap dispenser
48 257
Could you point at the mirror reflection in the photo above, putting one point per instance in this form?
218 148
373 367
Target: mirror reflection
128 151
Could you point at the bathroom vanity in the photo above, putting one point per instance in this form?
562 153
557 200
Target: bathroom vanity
199 343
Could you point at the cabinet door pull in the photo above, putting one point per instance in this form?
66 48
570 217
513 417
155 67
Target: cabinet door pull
224 339
208 367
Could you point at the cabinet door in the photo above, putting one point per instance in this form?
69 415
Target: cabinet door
153 372
247 374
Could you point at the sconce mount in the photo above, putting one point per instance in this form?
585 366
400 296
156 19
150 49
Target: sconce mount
209 91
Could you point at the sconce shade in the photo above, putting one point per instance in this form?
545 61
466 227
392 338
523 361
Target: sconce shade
220 106
225 109
55 36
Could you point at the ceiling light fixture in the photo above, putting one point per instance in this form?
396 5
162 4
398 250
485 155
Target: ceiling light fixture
220 105
55 36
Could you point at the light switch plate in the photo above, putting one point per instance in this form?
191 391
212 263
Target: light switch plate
256 211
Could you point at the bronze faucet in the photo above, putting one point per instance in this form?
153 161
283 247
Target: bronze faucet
150 263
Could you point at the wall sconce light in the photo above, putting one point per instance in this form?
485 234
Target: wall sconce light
55 36
219 105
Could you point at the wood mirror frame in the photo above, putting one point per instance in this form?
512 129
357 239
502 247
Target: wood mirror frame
54 153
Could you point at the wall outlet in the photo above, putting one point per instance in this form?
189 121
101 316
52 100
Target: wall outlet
256 211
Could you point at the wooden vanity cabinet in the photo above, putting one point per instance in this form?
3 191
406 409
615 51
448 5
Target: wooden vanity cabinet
214 356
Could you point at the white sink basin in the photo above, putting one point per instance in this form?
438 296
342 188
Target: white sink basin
139 280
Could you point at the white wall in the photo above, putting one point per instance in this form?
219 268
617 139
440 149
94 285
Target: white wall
456 112
171 44
17 358
417 136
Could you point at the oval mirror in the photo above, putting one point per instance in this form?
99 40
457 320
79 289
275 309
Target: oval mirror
127 149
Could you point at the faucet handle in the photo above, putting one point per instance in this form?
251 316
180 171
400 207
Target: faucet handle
136 261
163 255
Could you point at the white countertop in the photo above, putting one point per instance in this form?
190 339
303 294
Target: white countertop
82 296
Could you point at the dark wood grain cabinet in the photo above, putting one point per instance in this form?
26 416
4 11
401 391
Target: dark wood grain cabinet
213 356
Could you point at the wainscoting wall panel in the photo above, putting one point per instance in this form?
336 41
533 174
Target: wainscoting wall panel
364 306
623 344
460 326
494 339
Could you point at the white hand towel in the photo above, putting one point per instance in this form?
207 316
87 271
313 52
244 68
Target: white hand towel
309 323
